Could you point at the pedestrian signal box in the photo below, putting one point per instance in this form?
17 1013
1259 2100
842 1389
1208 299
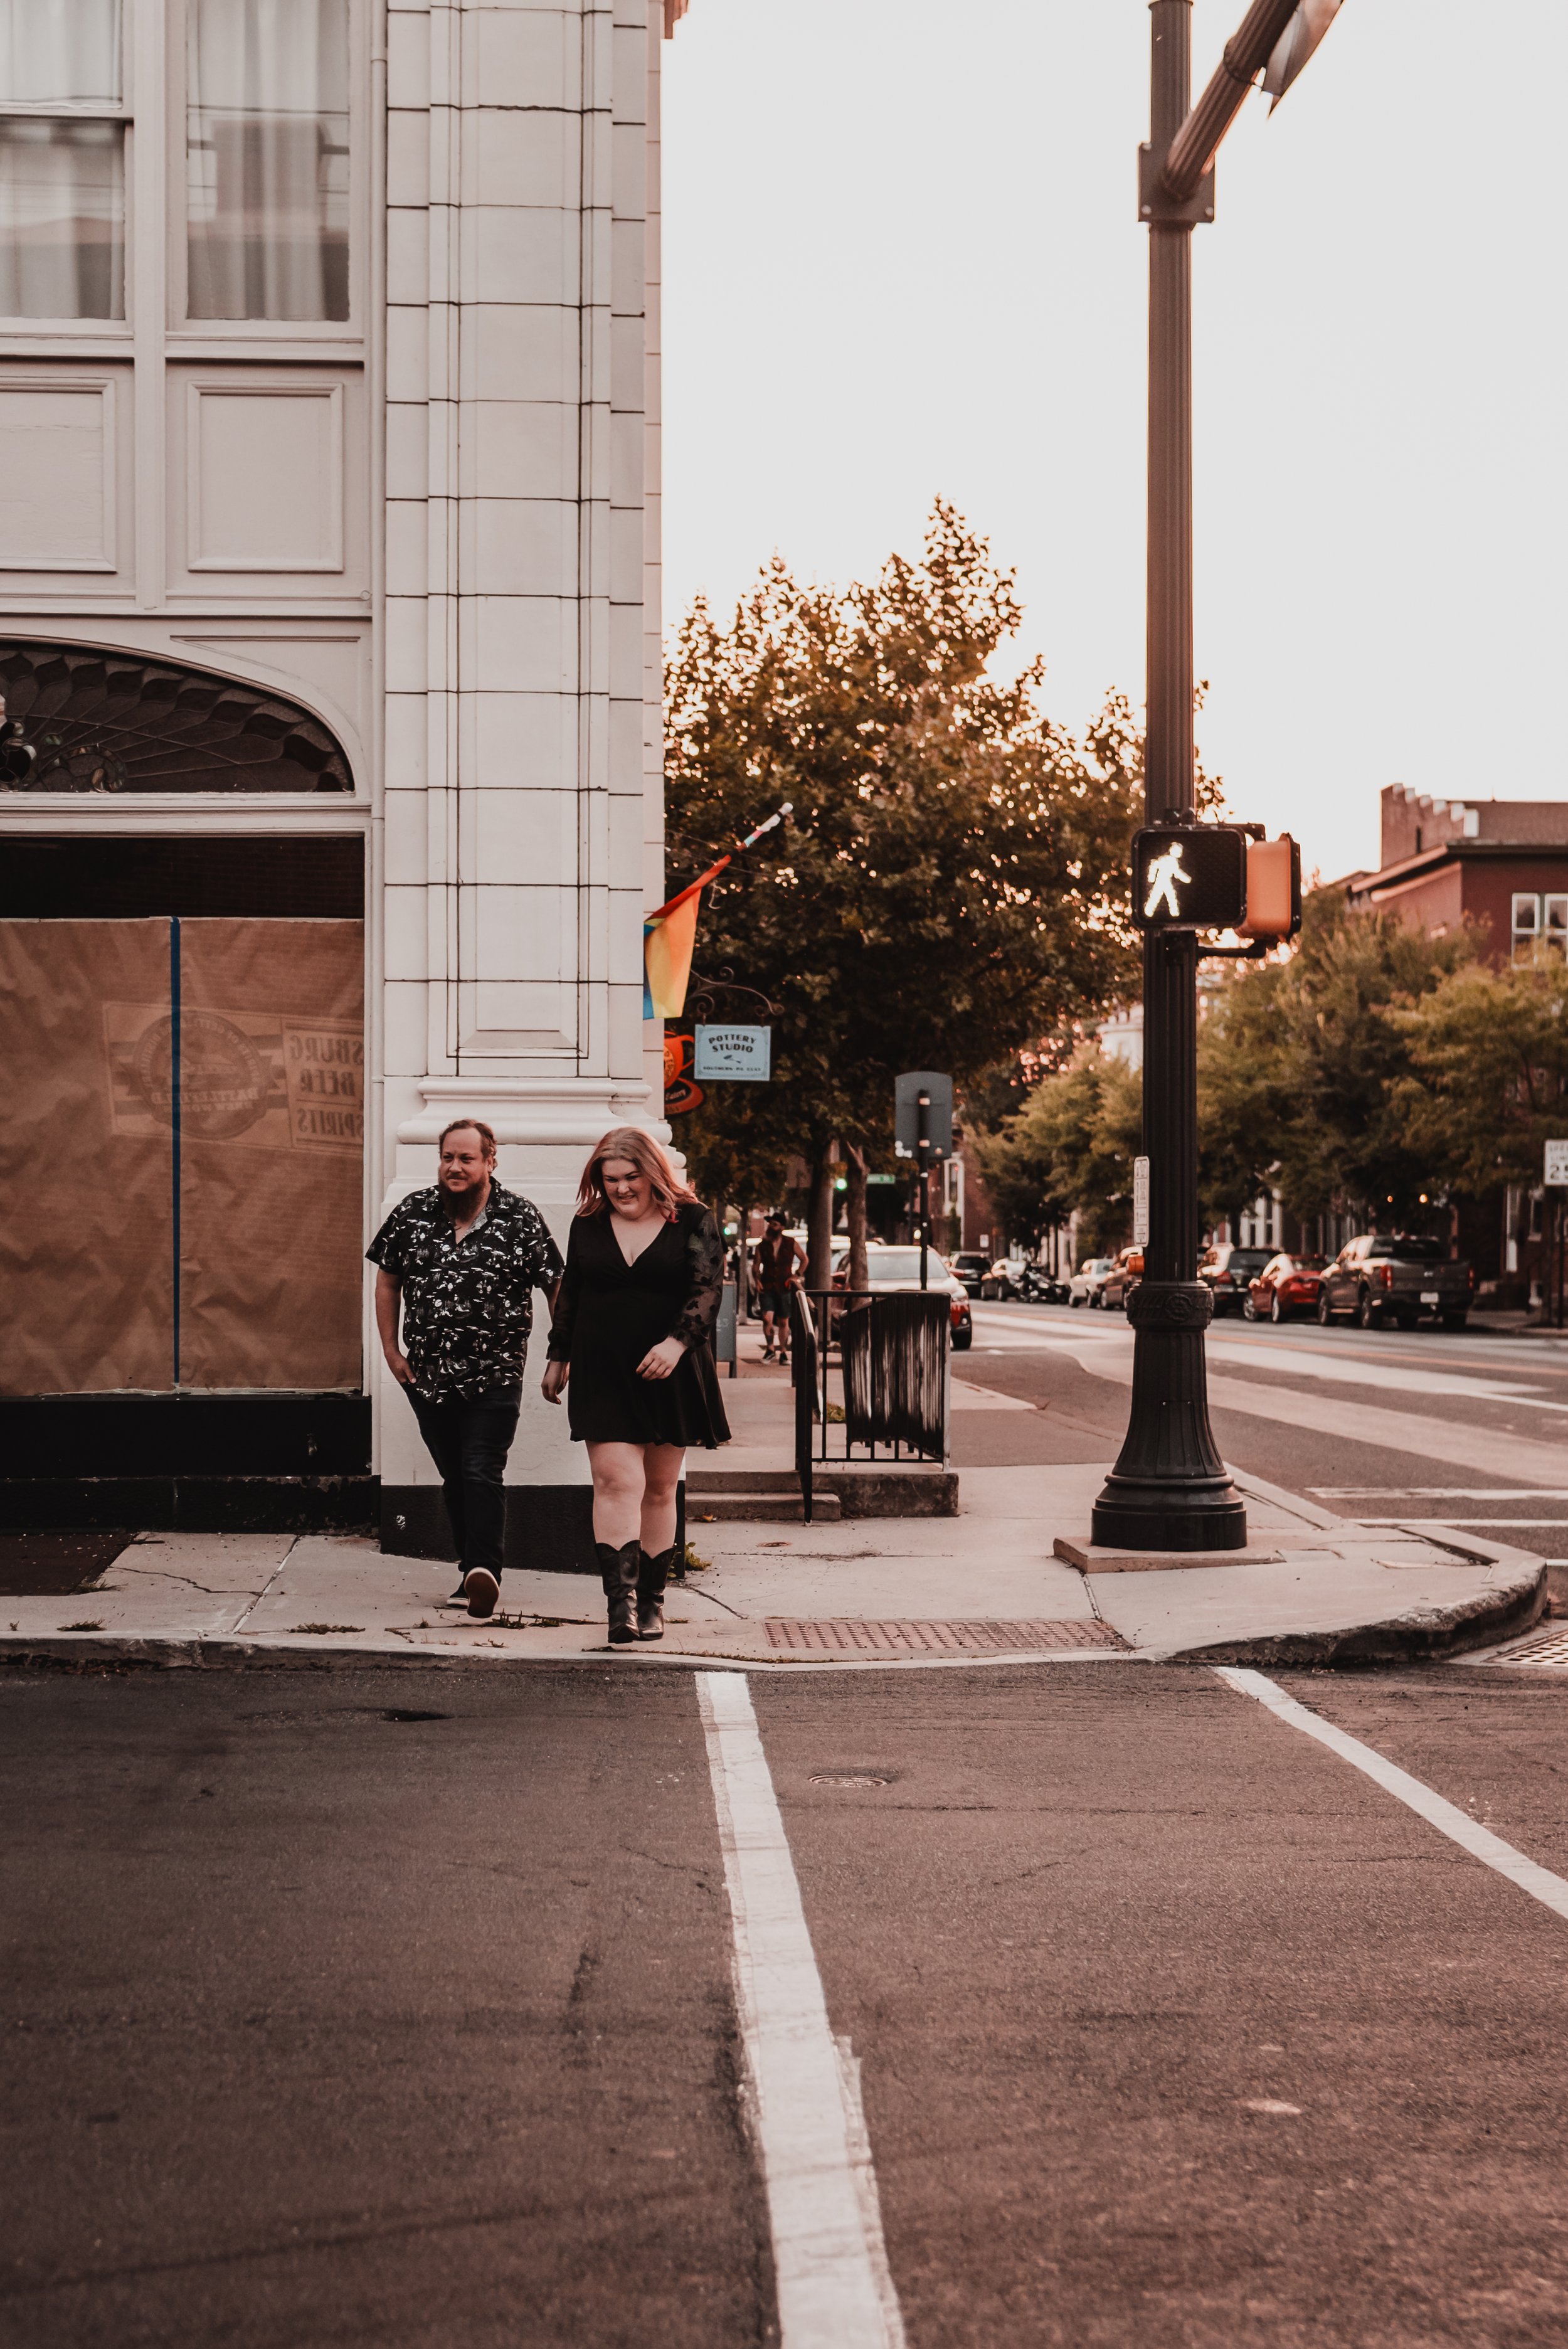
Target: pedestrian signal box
1274 888
1193 879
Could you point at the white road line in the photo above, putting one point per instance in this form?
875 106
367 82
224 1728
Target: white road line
830 2261
1542 1885
1439 1492
1468 1525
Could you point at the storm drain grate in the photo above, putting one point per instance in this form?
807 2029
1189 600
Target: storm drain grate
841 1634
1546 1648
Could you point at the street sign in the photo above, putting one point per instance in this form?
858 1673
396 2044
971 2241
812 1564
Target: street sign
1193 878
1296 44
1140 1203
680 1093
743 1055
907 1090
1557 1163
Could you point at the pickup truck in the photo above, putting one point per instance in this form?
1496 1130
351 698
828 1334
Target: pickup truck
1396 1278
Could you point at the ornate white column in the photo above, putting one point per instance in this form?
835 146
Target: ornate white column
522 818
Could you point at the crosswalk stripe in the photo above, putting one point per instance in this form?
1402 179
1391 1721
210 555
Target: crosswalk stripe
1540 1882
830 2261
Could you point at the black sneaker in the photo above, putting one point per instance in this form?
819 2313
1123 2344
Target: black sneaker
481 1590
460 1598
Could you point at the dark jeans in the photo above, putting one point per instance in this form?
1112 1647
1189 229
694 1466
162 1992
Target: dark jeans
469 1443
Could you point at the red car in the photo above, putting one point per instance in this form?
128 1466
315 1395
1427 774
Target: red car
1286 1285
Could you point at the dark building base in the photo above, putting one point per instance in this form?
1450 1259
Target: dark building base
188 1463
251 1464
192 1505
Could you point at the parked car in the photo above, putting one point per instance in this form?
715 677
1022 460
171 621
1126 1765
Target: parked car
1286 1285
1230 1271
1126 1272
1004 1278
1087 1282
1396 1277
973 1269
893 1267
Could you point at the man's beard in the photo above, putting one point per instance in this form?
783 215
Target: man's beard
463 1205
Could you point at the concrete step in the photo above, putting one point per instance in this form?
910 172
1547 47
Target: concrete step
758 1508
741 1479
854 1488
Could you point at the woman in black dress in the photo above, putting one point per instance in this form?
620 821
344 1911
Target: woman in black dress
633 1335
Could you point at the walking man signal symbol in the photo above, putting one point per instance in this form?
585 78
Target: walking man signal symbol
1164 871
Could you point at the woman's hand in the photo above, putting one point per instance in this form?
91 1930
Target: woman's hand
552 1383
661 1359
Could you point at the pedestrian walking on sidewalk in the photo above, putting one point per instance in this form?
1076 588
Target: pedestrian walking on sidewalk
776 1267
461 1262
633 1335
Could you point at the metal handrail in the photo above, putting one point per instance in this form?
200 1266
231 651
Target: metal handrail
916 1407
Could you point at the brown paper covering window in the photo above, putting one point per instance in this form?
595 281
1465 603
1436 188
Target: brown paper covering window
271 1109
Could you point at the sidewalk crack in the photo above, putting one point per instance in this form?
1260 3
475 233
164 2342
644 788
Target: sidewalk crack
239 1624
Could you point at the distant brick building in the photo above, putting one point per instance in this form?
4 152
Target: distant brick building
1503 862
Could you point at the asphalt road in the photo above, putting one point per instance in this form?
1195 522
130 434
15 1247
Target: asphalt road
1469 1402
398 2007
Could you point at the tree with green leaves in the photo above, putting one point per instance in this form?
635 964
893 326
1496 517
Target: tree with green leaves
1487 1086
1302 1066
1071 1146
950 882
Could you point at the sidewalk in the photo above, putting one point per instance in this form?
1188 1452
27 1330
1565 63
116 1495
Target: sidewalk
837 1595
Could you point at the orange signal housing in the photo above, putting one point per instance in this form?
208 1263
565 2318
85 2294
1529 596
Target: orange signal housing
1273 889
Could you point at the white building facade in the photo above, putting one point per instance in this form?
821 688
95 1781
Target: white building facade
329 552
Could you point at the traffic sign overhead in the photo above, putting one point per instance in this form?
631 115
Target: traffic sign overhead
937 1086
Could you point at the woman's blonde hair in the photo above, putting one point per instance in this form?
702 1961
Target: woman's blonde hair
631 1142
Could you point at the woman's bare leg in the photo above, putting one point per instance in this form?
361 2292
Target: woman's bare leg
661 1472
618 1482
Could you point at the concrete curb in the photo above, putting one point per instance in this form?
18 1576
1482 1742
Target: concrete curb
231 1655
1417 1635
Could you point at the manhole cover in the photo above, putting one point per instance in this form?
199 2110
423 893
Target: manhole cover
848 1778
1546 1648
841 1634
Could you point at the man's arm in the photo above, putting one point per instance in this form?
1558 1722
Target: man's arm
389 1300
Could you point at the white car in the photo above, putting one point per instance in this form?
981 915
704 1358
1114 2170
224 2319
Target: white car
896 1265
1085 1287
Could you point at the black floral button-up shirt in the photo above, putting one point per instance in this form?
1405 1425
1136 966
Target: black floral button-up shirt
467 1306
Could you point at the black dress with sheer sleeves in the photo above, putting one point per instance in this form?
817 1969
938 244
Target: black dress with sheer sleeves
608 1313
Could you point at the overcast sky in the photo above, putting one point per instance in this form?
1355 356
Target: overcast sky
902 258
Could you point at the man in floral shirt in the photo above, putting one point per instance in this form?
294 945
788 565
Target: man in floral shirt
460 1263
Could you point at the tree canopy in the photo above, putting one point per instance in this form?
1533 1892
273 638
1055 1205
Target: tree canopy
1071 1145
1302 1067
1376 1065
1487 1083
949 883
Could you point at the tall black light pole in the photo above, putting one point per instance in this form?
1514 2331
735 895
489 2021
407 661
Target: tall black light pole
1169 1490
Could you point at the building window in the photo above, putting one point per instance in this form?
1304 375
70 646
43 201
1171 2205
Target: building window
266 159
62 160
74 719
1554 923
1526 924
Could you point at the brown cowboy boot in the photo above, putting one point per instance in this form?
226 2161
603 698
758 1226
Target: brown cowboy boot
651 1575
618 1574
